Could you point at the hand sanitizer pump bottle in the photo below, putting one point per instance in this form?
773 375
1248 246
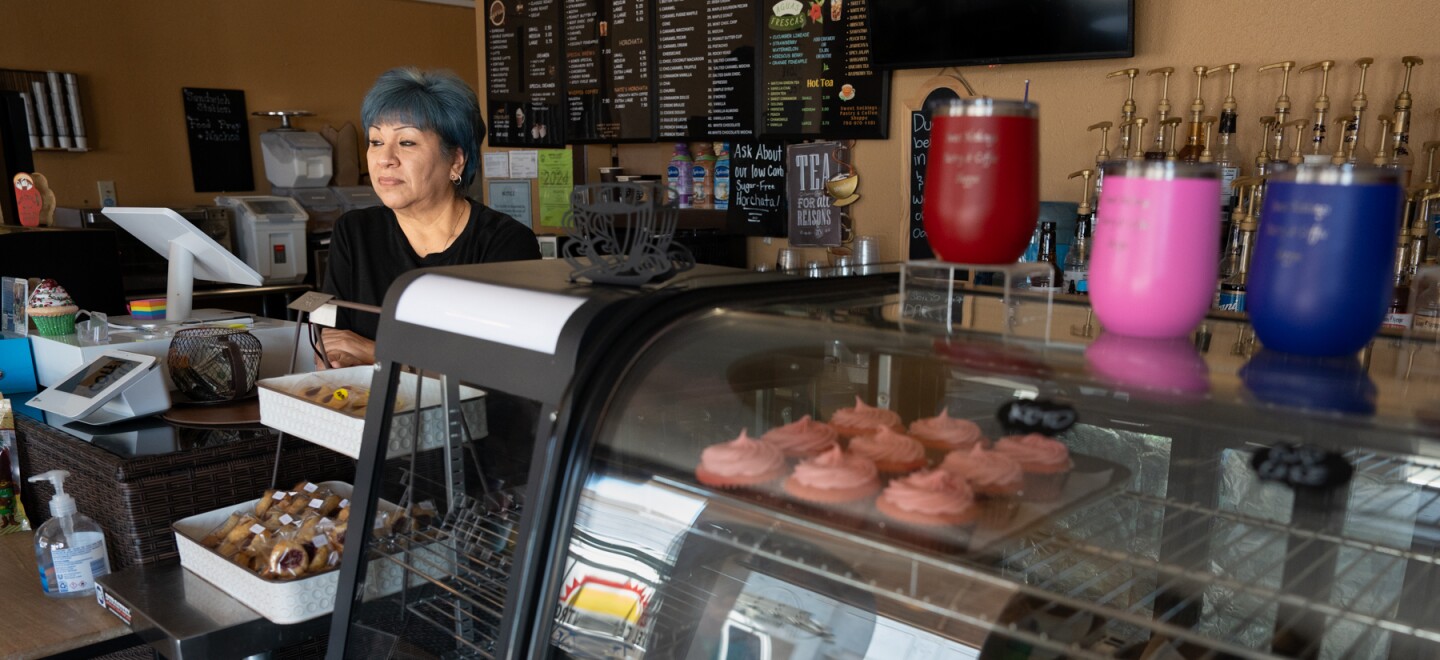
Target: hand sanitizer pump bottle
69 547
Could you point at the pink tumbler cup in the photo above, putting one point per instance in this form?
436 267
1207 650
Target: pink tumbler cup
1153 270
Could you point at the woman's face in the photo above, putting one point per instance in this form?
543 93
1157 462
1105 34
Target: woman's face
409 165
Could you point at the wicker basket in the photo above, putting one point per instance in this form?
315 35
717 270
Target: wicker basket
136 499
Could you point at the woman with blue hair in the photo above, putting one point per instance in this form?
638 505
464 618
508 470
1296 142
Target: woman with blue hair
424 132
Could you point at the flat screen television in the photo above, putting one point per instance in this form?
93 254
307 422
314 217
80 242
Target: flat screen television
912 34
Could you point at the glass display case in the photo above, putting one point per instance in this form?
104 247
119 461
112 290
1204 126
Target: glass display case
1161 540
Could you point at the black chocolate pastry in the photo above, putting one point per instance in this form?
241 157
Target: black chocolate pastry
1302 466
1022 416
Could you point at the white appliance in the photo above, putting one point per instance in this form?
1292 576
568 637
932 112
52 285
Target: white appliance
270 235
295 158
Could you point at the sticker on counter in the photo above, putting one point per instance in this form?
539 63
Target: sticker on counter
286 519
117 608
257 529
320 541
310 488
315 504
279 495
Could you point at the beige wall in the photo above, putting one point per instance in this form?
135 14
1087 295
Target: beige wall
1178 33
133 56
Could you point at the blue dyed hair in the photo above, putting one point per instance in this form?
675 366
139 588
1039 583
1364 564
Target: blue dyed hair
436 101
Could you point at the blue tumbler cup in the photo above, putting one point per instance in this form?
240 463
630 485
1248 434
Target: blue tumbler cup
1321 278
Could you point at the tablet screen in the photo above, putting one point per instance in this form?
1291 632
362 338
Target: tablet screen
101 374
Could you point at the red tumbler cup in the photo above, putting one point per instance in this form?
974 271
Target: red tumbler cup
982 180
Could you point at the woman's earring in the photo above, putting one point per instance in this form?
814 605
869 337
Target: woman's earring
455 179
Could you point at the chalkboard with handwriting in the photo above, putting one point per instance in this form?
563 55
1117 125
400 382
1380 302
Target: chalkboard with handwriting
219 134
757 188
919 138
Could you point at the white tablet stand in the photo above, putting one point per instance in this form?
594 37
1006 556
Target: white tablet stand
191 253
116 386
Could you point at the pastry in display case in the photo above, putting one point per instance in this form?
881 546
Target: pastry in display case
740 465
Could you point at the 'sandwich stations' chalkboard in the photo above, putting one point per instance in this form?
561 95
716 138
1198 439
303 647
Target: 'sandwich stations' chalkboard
219 134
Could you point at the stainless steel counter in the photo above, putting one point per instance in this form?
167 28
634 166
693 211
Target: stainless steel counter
182 616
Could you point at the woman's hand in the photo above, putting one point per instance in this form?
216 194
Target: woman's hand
344 348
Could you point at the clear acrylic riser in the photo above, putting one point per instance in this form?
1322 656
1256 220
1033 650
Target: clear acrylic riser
932 295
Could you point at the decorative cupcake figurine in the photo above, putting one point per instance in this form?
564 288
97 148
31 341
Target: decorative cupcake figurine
834 477
52 309
996 479
802 438
741 462
893 453
864 419
944 433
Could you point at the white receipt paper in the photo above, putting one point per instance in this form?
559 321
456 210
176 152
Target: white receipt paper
497 165
524 164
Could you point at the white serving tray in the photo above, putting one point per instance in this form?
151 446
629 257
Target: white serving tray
283 602
342 432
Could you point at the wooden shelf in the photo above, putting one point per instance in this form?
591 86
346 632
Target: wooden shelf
693 219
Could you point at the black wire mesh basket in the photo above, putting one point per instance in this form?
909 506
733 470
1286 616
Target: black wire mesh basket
214 365
622 235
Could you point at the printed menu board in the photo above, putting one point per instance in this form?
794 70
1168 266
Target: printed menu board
608 71
816 74
705 68
523 64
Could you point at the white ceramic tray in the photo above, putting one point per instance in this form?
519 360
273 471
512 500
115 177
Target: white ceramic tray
283 602
341 432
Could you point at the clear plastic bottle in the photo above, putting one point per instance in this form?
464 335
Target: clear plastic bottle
1228 157
69 547
1077 260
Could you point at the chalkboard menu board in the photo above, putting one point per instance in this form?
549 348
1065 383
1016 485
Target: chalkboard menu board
523 68
757 188
705 64
816 73
608 71
219 133
920 124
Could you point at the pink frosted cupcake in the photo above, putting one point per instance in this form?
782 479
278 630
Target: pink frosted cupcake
863 419
803 438
944 433
834 477
1045 461
893 453
743 461
996 479
931 509
929 497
